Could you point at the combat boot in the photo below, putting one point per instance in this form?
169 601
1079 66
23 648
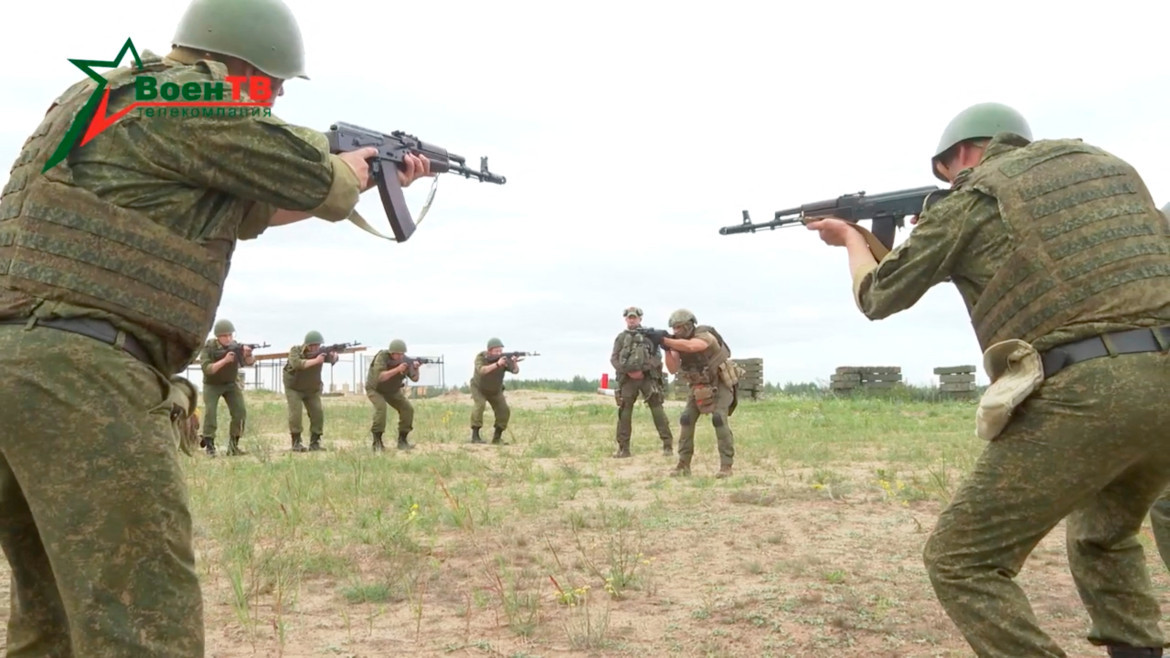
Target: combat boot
475 438
297 445
378 447
208 444
234 447
623 450
724 471
682 469
402 443
315 442
498 437
1118 651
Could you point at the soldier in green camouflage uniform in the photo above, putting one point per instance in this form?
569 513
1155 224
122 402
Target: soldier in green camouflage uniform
487 387
1160 512
1061 258
638 363
701 357
303 387
112 264
384 383
221 373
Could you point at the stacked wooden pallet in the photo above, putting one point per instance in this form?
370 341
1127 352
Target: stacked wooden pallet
849 378
751 383
956 381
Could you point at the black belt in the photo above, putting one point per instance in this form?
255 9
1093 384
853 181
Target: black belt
92 328
1133 341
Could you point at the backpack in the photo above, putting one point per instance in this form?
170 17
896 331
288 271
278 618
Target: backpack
635 352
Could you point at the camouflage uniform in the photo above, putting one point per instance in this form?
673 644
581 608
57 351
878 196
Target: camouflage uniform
712 378
1160 512
112 264
389 392
223 383
1049 243
634 352
489 389
302 388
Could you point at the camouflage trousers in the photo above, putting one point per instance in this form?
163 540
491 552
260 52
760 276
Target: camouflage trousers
94 516
234 397
1160 521
627 395
311 402
1090 446
719 420
400 404
499 408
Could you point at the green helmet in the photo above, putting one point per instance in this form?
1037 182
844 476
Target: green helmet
398 346
314 338
495 342
224 327
263 33
984 120
681 316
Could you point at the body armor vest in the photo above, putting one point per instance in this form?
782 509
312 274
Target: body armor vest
305 380
61 242
392 385
702 367
1090 245
226 374
493 382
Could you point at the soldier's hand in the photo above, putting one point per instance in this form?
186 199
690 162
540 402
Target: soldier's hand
357 161
416 166
502 362
417 365
229 357
247 352
833 231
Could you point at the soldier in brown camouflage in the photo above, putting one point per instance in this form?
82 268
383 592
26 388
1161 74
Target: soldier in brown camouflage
303 386
221 372
701 357
384 382
638 363
487 387
1063 262
112 265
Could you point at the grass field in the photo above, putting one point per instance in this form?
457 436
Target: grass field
548 546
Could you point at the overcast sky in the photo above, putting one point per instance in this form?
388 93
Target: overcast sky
630 133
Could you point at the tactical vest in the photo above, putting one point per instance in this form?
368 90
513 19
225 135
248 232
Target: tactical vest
390 386
227 374
305 380
62 242
702 367
1090 245
638 353
493 382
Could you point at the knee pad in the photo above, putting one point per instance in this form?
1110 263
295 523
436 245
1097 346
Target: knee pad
717 419
684 419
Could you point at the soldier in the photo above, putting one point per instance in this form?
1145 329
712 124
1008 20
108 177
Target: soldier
701 357
639 370
1160 512
302 388
221 373
1061 258
384 387
113 257
487 386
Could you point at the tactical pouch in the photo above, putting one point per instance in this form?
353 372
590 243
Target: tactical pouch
704 398
729 373
184 419
1016 371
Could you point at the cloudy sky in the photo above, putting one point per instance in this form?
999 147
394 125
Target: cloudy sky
629 133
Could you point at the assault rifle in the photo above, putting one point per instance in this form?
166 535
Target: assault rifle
238 349
655 335
336 348
392 151
510 356
422 360
887 211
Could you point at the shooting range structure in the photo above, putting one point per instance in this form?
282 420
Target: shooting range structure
956 381
851 378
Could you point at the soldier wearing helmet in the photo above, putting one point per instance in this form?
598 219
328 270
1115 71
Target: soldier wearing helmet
1061 258
221 378
117 246
701 358
638 363
303 386
487 387
384 381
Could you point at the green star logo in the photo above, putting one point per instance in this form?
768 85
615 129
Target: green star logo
99 97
